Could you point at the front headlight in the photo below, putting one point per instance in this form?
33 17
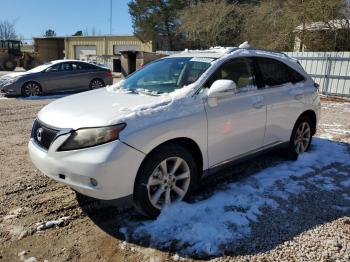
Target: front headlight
88 137
10 81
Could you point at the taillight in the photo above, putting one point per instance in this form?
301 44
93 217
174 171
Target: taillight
108 73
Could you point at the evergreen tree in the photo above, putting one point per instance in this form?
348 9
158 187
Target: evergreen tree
157 20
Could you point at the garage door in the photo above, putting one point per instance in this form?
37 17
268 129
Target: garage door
82 52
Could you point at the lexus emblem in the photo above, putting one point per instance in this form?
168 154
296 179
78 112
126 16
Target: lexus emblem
39 134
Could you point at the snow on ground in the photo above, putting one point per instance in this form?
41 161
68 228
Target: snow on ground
343 106
205 227
49 224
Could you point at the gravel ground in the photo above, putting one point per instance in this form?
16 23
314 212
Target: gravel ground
306 228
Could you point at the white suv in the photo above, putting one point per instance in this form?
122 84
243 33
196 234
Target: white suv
175 121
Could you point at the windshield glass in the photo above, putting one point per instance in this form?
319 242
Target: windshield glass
40 68
166 75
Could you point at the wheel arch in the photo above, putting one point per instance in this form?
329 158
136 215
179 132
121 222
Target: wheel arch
312 116
190 145
31 81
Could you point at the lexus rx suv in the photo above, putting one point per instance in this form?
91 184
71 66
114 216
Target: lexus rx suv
156 134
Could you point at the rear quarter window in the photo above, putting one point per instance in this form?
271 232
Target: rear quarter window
295 77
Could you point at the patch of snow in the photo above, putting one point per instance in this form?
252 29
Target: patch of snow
31 259
49 224
21 257
206 226
331 125
44 97
14 213
337 131
344 106
345 183
326 136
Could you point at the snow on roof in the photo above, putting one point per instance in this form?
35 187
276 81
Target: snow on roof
330 25
214 52
217 52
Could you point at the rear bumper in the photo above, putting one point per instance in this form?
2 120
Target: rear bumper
113 165
108 81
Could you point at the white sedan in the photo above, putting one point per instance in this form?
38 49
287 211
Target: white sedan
154 136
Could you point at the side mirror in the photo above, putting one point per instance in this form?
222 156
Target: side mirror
222 88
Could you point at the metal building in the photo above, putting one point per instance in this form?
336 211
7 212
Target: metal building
103 49
48 48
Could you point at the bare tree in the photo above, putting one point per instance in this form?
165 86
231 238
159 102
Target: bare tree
7 30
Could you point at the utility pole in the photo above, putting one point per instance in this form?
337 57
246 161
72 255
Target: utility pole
110 16
301 48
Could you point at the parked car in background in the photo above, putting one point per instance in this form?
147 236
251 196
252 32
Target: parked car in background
175 121
56 76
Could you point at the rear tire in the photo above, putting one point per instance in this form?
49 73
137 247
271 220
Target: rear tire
31 89
96 83
301 138
168 174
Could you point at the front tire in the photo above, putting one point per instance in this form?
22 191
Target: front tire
31 89
301 138
168 175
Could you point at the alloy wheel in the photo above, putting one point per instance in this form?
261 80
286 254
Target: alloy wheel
96 84
31 89
169 182
302 137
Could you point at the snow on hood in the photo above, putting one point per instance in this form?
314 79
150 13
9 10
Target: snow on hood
99 108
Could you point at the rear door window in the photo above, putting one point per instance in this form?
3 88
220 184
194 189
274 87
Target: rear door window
273 72
239 70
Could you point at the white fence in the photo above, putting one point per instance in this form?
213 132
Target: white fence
329 69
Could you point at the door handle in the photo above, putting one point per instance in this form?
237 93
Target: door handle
299 96
258 105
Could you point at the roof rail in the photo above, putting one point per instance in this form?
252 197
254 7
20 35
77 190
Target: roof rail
266 50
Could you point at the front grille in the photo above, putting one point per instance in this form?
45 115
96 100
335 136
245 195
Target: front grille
43 135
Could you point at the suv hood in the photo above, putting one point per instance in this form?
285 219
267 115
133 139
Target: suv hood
96 108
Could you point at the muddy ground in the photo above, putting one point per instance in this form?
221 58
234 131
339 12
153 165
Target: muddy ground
28 198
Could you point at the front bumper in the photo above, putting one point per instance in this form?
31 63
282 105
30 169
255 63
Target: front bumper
11 89
113 165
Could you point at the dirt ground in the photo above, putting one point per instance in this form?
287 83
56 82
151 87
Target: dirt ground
28 198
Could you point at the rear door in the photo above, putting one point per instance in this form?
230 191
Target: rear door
82 74
284 98
236 125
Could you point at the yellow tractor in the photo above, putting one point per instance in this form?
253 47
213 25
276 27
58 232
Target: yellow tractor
11 56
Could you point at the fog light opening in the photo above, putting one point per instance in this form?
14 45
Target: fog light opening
62 176
93 182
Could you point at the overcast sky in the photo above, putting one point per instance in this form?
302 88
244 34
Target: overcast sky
34 17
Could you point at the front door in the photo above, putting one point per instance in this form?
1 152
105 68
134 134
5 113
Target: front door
236 125
58 77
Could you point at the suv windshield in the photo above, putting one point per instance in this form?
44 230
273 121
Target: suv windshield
166 75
